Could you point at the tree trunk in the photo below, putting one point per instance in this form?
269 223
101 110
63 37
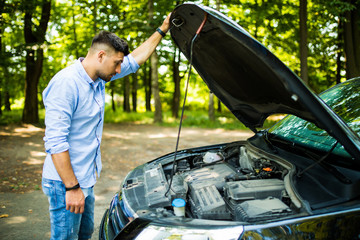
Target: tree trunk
112 93
34 38
95 28
126 103
150 87
154 73
113 107
2 55
351 42
303 41
4 85
339 51
211 110
176 79
134 89
155 88
257 21
0 99
7 100
74 30
219 108
211 107
33 73
6 92
147 85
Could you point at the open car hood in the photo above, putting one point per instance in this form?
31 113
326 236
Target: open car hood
249 80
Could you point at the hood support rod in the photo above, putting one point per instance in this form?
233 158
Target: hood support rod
183 107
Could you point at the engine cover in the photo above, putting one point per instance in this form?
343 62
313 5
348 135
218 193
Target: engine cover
207 203
254 189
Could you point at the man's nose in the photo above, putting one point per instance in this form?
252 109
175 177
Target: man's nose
118 68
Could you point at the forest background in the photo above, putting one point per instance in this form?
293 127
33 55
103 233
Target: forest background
317 39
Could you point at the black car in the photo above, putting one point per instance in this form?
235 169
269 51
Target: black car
299 179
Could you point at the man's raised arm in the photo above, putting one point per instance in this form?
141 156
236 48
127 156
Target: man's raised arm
144 51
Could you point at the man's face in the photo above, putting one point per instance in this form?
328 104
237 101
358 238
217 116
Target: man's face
110 65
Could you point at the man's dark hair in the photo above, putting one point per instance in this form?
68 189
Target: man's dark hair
112 40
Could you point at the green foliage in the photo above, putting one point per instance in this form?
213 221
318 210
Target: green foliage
10 117
73 23
123 117
191 119
14 117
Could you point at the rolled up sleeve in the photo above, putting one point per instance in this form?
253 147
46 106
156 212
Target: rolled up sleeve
60 102
128 66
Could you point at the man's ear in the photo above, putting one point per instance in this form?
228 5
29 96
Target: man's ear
101 55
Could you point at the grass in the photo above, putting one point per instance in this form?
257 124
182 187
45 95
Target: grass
224 120
10 117
191 119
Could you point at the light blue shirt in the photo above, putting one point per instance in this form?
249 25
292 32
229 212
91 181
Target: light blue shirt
74 120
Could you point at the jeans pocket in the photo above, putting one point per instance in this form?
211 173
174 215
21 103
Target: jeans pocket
55 191
47 187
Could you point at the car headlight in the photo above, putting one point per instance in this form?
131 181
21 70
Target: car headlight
155 232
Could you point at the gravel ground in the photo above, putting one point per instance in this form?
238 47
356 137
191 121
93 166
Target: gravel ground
23 206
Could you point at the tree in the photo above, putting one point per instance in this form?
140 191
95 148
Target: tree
155 87
134 88
331 44
34 39
73 14
176 78
211 111
154 73
2 65
147 86
339 51
126 103
112 93
4 59
352 39
303 41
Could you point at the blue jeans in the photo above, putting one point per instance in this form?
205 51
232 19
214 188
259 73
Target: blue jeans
65 224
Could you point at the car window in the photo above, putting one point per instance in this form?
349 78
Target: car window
344 99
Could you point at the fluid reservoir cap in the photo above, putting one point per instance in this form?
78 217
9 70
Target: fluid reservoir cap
210 157
178 202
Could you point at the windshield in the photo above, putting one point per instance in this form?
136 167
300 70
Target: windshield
344 99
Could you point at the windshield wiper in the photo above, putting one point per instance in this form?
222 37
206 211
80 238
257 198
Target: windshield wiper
331 169
317 160
268 142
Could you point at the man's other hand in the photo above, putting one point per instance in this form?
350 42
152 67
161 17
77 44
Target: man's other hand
75 201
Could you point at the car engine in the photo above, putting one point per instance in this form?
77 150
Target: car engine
228 183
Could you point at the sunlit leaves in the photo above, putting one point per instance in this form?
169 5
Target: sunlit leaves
275 23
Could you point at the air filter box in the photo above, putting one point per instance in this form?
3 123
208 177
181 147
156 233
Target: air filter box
254 189
207 203
264 209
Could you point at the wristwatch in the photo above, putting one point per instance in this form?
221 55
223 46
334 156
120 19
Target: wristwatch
161 32
72 188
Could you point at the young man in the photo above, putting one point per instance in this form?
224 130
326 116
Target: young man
74 101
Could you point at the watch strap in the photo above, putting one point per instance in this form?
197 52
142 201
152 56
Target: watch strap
161 32
72 188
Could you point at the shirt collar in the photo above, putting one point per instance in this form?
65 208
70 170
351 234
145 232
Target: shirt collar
82 71
85 76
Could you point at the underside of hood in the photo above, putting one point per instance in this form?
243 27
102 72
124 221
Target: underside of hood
249 80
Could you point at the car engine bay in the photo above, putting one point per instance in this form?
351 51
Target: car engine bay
228 183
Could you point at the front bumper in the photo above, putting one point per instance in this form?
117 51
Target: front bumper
114 219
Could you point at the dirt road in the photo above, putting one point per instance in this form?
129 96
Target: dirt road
23 206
